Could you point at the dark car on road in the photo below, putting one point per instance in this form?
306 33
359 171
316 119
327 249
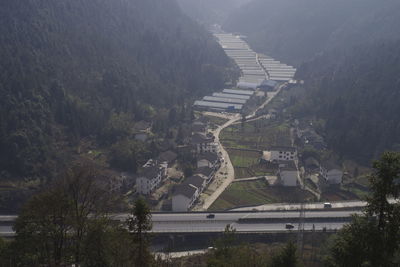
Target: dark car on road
289 226
210 216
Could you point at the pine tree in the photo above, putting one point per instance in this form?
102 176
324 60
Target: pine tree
139 223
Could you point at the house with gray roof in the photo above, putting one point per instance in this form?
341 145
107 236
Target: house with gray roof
206 172
199 181
168 156
202 143
150 176
207 159
184 196
288 174
331 172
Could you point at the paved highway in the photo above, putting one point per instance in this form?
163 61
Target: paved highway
219 226
243 221
235 215
349 204
307 206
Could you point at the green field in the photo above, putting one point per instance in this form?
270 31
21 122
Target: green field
247 164
359 190
243 158
259 135
258 192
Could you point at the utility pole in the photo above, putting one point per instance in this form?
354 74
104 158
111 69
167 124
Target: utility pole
300 233
313 246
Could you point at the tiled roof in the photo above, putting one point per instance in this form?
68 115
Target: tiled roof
287 166
185 190
150 172
206 171
201 138
196 180
211 157
168 156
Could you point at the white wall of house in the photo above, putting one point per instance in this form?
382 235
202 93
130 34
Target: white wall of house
334 176
204 163
164 171
181 203
200 190
283 155
209 178
289 178
207 147
145 185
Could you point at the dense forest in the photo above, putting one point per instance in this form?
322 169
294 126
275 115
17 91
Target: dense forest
356 93
294 31
77 70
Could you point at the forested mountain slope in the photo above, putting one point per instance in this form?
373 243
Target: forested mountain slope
348 53
68 67
357 94
295 30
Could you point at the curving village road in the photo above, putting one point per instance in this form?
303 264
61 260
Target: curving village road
227 170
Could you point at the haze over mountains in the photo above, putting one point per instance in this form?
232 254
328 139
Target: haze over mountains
294 31
132 130
71 69
78 70
210 11
347 53
356 93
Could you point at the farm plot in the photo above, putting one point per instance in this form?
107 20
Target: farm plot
258 192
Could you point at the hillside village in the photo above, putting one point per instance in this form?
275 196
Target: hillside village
184 176
194 174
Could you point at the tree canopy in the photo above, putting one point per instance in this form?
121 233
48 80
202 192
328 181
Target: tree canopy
373 238
73 69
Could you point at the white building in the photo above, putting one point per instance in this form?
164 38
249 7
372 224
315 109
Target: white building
331 173
289 175
280 154
248 85
150 177
202 143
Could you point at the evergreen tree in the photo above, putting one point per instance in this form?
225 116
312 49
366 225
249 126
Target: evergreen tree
139 223
287 257
373 239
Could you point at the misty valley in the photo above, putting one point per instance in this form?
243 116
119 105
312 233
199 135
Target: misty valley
200 133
